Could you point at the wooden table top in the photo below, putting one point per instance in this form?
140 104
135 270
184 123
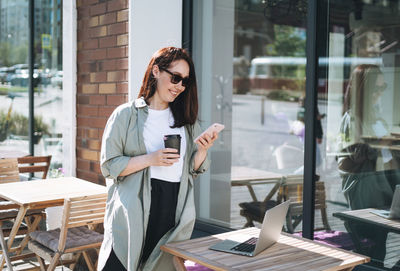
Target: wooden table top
240 174
49 192
365 215
289 253
392 137
12 154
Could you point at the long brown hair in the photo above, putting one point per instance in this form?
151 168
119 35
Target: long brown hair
185 107
361 85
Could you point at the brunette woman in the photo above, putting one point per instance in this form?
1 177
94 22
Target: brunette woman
151 200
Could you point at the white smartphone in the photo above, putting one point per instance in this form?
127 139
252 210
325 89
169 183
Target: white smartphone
215 127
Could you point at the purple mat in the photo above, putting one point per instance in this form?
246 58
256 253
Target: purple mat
337 239
191 266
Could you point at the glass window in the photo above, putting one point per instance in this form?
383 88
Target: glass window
261 70
48 58
358 151
250 61
14 76
47 78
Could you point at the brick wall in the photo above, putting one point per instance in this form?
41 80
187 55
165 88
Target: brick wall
102 79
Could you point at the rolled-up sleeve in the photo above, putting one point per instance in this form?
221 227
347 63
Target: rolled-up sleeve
206 163
112 159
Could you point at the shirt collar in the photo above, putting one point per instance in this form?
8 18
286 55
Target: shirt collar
140 102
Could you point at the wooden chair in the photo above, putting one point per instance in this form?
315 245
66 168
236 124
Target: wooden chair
8 173
9 211
76 234
34 164
9 170
292 188
255 211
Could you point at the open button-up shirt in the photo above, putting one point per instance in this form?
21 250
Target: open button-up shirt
129 197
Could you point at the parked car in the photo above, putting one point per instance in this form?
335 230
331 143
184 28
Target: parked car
21 78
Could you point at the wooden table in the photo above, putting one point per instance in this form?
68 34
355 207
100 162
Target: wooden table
386 140
245 176
42 194
365 216
289 253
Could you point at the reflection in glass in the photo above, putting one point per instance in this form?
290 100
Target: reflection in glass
360 158
267 131
47 78
251 67
14 76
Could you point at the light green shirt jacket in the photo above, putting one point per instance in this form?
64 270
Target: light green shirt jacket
129 197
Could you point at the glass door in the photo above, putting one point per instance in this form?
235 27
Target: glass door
250 61
358 93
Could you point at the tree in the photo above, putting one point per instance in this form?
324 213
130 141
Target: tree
289 41
5 54
10 55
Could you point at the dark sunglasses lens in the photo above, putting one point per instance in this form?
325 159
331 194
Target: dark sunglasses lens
185 82
175 79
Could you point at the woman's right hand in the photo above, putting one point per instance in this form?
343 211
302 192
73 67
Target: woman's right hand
164 157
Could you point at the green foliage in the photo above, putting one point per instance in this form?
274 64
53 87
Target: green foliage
14 89
11 55
18 124
281 95
288 42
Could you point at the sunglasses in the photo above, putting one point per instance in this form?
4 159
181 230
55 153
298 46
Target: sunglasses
176 78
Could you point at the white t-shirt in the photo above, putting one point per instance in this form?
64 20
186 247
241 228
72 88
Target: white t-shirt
157 125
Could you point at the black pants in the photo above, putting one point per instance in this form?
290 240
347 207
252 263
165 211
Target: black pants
164 197
113 264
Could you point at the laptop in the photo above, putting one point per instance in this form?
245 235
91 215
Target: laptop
270 231
394 211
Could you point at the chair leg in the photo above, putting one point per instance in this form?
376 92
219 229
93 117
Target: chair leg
5 250
249 223
31 227
97 260
178 263
289 224
41 263
54 262
88 261
76 259
325 219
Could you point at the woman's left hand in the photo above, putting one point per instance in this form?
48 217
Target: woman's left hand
205 142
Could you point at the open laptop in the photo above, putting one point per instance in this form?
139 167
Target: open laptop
394 211
270 231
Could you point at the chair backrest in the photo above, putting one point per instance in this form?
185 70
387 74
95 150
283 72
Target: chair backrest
292 188
81 211
9 170
33 164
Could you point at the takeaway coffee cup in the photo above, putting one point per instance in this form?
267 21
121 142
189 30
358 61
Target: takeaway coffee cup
173 141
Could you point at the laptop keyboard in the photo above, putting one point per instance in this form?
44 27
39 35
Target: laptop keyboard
246 246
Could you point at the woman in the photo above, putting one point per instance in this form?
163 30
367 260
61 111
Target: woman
365 182
151 200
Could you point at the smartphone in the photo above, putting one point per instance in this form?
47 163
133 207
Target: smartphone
215 127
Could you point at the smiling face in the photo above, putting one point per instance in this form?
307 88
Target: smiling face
167 91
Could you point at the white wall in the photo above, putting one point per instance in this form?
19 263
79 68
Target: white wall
153 24
69 86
